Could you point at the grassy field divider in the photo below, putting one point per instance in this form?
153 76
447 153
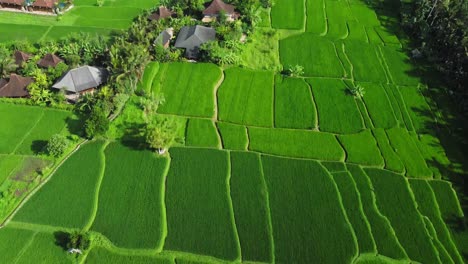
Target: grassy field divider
29 132
443 252
231 207
27 197
215 93
160 245
384 64
25 248
394 105
98 187
267 198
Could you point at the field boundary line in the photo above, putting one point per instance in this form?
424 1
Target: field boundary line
341 62
162 242
38 187
383 63
97 187
267 200
25 247
215 95
46 33
231 206
29 132
314 101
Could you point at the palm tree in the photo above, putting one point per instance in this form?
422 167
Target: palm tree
7 65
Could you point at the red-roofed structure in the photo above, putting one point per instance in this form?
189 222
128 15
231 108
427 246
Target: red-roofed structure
21 57
15 87
218 6
49 60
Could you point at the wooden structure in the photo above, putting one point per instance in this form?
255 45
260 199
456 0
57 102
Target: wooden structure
49 60
21 57
15 87
217 7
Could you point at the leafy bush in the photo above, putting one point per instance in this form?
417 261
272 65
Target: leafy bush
57 145
79 240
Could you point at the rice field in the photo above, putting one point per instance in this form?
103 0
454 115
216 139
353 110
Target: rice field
274 169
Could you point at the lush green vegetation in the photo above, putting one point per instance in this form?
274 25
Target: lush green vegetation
202 133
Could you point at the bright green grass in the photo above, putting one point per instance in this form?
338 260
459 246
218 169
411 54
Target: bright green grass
316 54
452 213
52 122
408 151
357 32
432 150
334 166
392 160
364 14
379 106
338 12
296 143
294 105
8 164
382 231
337 110
17 121
400 66
421 116
386 36
260 52
353 207
365 61
399 106
130 203
202 133
374 38
249 198
199 212
12 241
100 255
286 14
316 21
361 148
427 205
189 89
67 200
146 82
346 63
402 212
302 196
233 136
57 32
9 32
43 250
246 97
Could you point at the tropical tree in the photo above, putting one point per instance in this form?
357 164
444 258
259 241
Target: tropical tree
57 145
161 133
7 63
357 91
295 71
79 240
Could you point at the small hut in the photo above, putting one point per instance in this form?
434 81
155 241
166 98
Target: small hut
162 13
15 87
216 7
21 57
165 37
49 60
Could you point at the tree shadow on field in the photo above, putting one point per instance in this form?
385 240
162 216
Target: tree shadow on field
61 239
38 146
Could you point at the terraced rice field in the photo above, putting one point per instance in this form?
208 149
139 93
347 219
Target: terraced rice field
273 169
85 16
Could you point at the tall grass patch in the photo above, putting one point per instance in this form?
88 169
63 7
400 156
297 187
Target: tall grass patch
392 160
202 133
146 82
302 195
361 148
233 136
355 212
288 14
316 17
379 106
249 198
366 63
306 48
189 89
296 143
67 200
246 97
199 212
337 110
294 105
338 13
402 212
130 203
400 66
421 115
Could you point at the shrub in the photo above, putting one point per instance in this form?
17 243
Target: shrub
79 240
295 71
57 145
357 91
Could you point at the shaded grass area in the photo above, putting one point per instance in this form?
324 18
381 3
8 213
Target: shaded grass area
246 97
294 105
392 160
302 195
249 198
130 203
191 95
202 133
233 136
337 110
402 212
74 182
198 204
296 143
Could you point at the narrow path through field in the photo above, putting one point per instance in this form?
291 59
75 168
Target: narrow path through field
231 207
161 243
215 93
267 199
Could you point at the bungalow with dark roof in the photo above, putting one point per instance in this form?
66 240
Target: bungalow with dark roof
216 7
11 3
21 57
192 37
162 13
49 60
80 81
15 87
43 5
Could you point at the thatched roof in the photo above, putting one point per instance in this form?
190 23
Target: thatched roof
49 60
192 37
15 87
162 13
217 6
21 57
12 2
82 79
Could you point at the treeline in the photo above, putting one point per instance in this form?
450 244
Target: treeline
440 29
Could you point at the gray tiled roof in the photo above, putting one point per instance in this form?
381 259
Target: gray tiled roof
192 37
81 79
